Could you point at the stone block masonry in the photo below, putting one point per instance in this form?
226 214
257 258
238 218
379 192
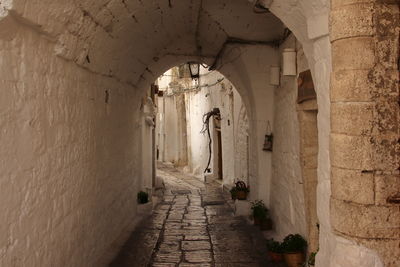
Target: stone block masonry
193 226
365 125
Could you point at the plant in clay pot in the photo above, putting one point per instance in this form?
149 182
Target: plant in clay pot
274 250
260 215
260 211
241 190
233 192
293 249
143 197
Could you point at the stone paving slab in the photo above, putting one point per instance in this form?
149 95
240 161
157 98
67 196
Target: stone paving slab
193 226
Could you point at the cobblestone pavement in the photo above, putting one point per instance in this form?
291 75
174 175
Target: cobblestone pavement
193 226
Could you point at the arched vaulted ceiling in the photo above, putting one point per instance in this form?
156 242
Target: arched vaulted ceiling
122 38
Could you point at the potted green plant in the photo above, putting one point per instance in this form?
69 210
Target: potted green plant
260 215
241 190
143 197
293 250
274 250
233 192
311 258
260 211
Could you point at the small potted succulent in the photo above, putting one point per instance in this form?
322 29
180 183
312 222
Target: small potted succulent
241 190
274 250
233 192
142 197
145 206
293 250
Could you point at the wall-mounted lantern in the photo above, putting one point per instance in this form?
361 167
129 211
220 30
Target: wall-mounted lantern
269 138
289 62
194 68
274 75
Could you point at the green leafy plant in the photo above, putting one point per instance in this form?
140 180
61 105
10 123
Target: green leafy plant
233 192
274 246
294 243
259 209
311 258
241 186
143 197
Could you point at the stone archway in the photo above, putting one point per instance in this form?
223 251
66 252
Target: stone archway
58 123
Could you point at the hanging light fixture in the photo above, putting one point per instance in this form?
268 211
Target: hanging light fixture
194 68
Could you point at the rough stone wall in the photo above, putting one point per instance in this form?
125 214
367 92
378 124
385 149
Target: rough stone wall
307 112
365 126
63 157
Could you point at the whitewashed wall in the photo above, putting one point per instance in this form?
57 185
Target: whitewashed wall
66 175
215 91
169 134
287 194
221 96
124 64
197 105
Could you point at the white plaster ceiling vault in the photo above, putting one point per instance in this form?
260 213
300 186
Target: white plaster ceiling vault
122 38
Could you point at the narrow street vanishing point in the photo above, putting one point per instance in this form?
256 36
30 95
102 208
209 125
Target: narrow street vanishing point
193 226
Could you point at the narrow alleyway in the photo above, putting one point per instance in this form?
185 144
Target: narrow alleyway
193 226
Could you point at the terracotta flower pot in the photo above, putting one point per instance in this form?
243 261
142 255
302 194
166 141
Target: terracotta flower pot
275 257
294 259
257 221
241 195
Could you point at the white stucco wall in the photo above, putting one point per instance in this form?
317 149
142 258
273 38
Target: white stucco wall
287 194
241 132
214 91
249 72
197 105
66 175
171 152
221 96
171 120
147 126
